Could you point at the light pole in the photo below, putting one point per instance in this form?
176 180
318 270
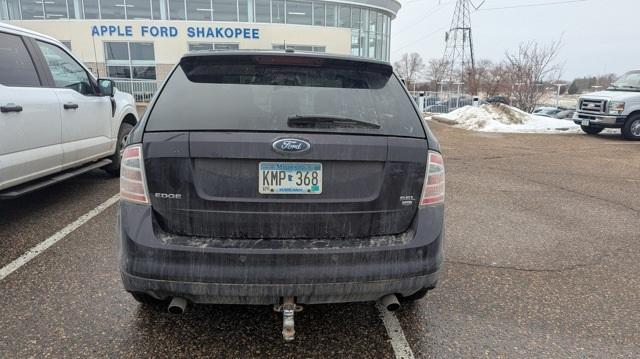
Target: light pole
458 94
559 85
441 86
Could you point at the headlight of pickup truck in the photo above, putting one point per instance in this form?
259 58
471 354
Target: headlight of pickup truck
616 107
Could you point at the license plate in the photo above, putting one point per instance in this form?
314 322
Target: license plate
585 123
289 178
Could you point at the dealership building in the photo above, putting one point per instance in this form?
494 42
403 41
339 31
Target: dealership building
138 41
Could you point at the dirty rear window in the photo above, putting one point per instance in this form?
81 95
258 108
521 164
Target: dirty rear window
261 93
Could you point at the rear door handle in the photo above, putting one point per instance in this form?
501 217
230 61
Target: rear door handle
70 106
10 108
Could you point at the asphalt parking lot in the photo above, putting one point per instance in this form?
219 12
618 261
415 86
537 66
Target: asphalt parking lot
542 253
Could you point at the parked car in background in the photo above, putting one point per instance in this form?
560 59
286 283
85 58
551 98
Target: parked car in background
458 101
439 108
617 107
565 114
313 179
498 99
546 111
57 119
450 104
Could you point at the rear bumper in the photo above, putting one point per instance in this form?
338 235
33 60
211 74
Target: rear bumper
234 293
599 120
250 272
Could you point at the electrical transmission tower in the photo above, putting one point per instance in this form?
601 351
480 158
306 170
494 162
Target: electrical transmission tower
458 53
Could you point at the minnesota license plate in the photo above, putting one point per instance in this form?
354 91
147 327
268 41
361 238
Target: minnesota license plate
289 178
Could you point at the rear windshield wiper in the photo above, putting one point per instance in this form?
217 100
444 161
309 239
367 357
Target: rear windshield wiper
327 120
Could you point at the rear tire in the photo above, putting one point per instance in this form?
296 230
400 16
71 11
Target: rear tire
114 168
631 128
591 130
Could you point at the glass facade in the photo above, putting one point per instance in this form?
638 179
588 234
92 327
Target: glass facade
370 28
311 48
130 60
207 46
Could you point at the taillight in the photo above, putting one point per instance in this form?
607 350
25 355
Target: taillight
433 187
133 186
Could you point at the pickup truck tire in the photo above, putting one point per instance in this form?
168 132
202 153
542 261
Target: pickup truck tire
591 130
631 128
114 168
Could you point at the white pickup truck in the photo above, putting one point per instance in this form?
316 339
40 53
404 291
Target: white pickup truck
617 107
56 119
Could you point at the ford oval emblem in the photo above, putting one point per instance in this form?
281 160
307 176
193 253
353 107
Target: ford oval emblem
289 145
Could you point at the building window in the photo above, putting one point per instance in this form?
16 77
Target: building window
159 9
112 9
91 9
55 9
344 16
243 10
318 14
331 14
138 9
226 46
309 48
355 18
262 10
278 12
225 10
32 10
10 9
130 60
199 10
299 13
40 9
206 46
176 10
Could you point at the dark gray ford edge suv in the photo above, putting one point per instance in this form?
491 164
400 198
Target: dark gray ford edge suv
280 178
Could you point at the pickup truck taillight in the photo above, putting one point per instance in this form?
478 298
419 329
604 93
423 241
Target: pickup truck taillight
133 185
433 187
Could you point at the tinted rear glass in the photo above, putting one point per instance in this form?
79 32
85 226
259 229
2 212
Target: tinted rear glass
261 93
16 67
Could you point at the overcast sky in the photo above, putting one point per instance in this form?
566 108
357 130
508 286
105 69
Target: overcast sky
599 36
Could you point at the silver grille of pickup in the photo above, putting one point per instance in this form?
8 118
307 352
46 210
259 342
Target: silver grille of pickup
593 106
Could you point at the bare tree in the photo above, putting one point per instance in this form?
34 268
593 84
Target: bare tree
495 81
528 68
410 67
477 78
437 69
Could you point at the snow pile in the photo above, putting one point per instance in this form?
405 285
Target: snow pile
503 118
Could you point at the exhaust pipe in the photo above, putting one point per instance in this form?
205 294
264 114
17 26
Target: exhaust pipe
390 301
178 305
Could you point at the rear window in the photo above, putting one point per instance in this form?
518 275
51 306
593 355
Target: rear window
263 93
16 67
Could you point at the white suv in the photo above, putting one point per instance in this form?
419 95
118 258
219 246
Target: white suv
56 119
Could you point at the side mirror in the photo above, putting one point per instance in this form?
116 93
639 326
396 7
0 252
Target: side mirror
106 87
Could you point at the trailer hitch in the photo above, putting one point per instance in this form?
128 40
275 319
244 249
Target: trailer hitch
288 308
